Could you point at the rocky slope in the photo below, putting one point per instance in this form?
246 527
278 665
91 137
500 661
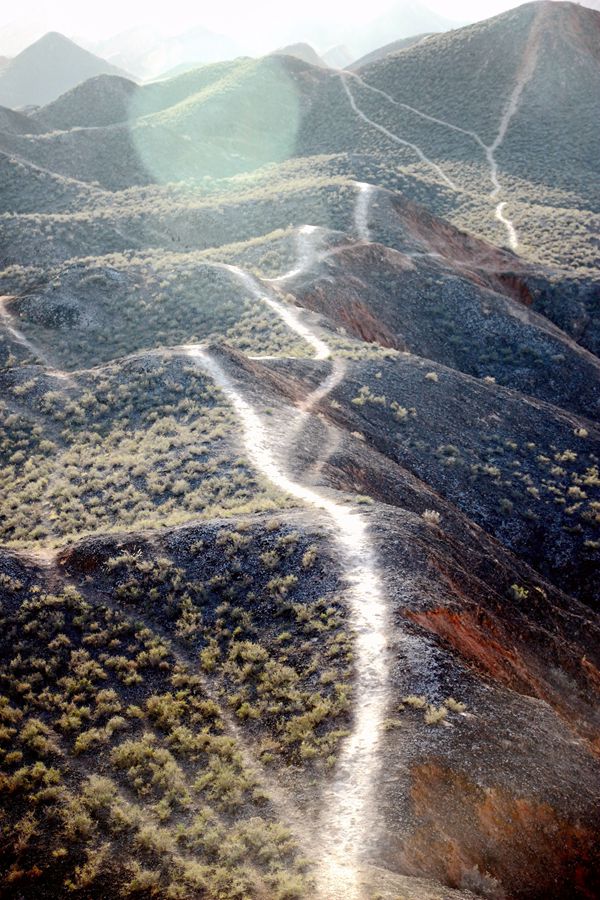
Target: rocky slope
299 479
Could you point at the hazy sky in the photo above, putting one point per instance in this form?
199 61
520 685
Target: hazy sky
252 22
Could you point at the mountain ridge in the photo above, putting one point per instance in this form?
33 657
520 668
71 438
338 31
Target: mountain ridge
299 477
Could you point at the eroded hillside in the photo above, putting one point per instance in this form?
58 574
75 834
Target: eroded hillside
299 478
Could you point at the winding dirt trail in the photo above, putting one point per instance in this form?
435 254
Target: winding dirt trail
392 136
418 112
524 75
9 323
513 238
307 252
344 829
288 314
362 209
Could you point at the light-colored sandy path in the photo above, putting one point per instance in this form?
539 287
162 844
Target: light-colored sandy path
306 251
362 209
344 829
524 75
289 314
394 137
8 321
419 112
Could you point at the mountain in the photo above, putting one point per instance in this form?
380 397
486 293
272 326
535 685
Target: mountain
120 49
338 57
490 112
303 52
46 69
299 476
186 126
12 122
381 52
447 120
565 30
98 101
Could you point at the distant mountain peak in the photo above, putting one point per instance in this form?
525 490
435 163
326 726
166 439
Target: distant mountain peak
48 68
51 40
303 51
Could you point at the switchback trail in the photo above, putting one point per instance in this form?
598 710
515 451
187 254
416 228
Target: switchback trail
349 801
394 137
285 312
524 75
362 209
345 825
306 253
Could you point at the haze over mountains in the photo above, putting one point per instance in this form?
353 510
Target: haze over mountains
299 469
146 54
128 47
